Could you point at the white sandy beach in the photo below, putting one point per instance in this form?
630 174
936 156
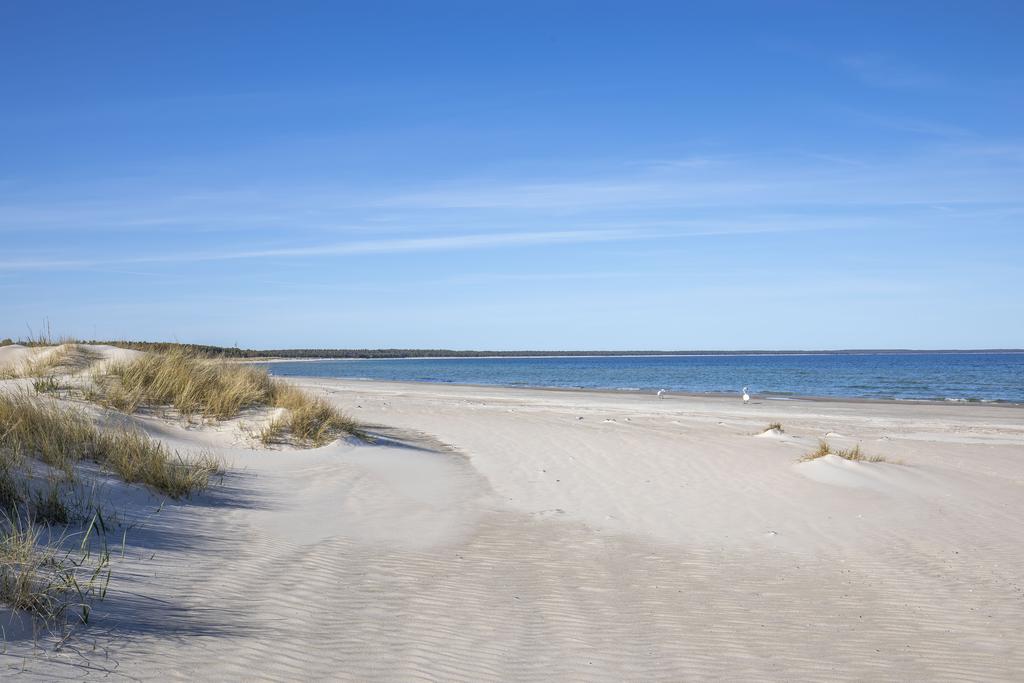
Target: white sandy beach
514 534
679 341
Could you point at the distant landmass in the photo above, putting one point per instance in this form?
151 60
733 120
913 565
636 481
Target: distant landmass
235 352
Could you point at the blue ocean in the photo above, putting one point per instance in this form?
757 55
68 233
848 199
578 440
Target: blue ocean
929 376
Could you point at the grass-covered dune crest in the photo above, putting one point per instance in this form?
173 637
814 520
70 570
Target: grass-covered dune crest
221 390
66 444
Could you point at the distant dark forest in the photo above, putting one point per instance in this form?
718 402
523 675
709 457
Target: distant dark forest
235 352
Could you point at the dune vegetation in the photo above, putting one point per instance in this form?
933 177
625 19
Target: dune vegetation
854 453
220 390
61 436
50 525
306 420
52 577
63 358
190 385
53 574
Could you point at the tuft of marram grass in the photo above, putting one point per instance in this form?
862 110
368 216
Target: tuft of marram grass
40 576
855 453
308 420
43 430
49 384
219 390
190 385
774 427
48 505
11 487
821 451
62 436
136 458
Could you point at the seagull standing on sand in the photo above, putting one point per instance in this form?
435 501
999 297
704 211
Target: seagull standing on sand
661 393
746 396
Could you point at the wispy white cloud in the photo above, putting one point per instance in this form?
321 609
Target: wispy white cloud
884 72
384 246
484 278
975 180
558 194
583 232
444 243
955 166
937 129
608 231
683 162
923 179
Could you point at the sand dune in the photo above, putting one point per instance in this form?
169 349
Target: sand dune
492 534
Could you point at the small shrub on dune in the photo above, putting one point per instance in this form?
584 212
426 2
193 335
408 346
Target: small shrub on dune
774 427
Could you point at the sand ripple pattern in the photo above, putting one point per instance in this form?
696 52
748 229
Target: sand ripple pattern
530 600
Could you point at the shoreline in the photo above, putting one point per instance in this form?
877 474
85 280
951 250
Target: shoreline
695 354
775 398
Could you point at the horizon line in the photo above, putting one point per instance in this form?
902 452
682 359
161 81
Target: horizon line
527 352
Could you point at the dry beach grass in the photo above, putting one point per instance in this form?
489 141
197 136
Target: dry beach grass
62 436
48 432
51 577
220 390
853 453
42 444
306 420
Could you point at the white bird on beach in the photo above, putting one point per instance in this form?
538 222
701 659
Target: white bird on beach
661 393
746 396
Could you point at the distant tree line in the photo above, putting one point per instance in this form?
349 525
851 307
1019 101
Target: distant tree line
210 351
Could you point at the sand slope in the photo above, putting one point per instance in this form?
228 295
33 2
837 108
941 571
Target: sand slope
491 534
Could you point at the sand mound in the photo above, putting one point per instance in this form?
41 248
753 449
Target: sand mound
111 354
14 356
831 469
68 358
776 434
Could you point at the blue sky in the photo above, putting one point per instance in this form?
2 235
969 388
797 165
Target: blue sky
519 175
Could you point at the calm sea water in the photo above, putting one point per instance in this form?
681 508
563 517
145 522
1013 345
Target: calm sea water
935 376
